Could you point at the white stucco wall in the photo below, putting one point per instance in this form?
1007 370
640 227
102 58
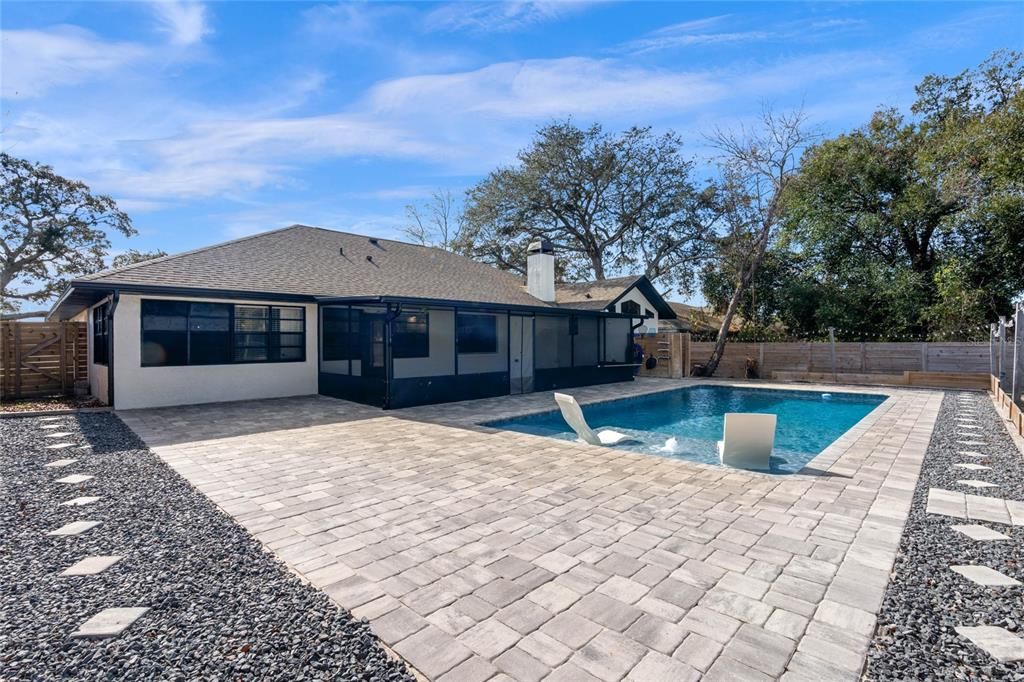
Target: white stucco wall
650 325
97 373
136 386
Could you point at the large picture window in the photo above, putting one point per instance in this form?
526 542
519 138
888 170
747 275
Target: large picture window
341 334
477 333
192 333
100 334
410 336
632 308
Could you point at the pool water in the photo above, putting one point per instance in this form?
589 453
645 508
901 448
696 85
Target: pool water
687 423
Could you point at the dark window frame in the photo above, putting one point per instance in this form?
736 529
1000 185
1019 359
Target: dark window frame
273 338
475 343
101 334
409 345
635 309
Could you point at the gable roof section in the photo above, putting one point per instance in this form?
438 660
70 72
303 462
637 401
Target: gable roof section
313 261
605 293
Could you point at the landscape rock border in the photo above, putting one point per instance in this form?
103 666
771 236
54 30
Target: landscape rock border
220 606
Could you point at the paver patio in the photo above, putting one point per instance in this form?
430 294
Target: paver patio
474 552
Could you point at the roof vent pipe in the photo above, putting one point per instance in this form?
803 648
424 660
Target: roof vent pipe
373 240
341 250
540 270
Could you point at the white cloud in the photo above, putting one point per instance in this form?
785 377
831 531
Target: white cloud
495 17
34 61
184 21
545 88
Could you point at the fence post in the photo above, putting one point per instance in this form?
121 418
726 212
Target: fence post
1002 352
1018 357
924 356
761 371
832 343
993 361
687 340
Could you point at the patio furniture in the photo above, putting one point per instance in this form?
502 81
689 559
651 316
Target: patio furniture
573 416
747 440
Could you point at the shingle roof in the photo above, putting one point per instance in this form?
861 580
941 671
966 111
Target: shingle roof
592 295
303 260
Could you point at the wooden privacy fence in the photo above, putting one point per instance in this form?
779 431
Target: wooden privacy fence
941 364
41 358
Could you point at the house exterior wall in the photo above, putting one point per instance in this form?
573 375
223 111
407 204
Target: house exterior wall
441 345
136 386
97 373
650 325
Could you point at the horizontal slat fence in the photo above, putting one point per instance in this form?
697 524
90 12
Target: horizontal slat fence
851 358
41 358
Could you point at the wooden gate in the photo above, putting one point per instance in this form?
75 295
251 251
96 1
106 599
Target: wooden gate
42 358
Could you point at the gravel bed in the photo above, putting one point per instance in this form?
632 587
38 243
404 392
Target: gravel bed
220 606
58 403
925 600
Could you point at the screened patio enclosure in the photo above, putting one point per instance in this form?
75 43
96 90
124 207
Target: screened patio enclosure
402 353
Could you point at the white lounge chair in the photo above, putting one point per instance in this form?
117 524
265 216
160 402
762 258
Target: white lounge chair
573 416
747 440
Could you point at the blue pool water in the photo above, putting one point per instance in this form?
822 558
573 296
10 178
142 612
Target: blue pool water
807 421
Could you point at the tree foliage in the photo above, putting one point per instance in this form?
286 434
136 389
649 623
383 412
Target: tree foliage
53 229
609 203
133 256
914 226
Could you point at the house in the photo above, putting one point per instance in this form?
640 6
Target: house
633 295
305 310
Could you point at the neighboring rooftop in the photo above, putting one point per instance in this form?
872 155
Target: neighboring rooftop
313 261
601 294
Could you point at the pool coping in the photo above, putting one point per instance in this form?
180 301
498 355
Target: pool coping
816 467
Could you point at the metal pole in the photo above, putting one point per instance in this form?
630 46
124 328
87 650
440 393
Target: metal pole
832 342
1002 352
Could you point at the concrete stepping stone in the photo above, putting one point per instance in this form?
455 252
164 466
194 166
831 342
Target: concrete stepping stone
59 446
79 502
987 509
981 533
74 528
50 426
91 565
972 442
999 643
971 466
972 453
967 427
59 434
57 463
983 575
947 503
109 622
977 484
50 419
75 478
1016 511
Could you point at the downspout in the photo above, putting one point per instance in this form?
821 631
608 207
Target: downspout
389 361
632 335
110 346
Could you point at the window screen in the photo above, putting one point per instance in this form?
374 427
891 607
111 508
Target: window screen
341 334
410 336
477 333
100 334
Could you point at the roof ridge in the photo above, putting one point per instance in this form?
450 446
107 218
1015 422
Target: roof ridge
161 259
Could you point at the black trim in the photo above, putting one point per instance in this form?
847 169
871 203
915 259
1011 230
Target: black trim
358 389
642 283
446 389
569 377
114 300
471 305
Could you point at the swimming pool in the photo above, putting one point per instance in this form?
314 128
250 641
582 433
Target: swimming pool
807 421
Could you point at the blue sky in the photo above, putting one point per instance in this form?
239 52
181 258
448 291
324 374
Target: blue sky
213 121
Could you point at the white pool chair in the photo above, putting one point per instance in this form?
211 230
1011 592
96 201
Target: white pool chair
573 416
747 440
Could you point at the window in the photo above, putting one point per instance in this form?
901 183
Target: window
410 336
631 308
477 333
100 334
341 334
176 333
